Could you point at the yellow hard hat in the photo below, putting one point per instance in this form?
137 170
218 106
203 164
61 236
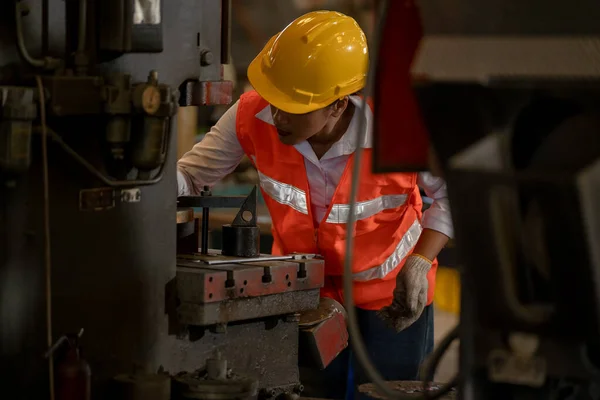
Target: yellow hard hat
317 59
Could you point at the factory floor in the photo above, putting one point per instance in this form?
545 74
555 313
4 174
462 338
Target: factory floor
443 323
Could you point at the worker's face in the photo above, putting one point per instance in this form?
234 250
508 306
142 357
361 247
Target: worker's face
295 128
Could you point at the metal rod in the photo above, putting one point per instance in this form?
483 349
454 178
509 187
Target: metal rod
209 201
45 29
247 260
241 260
204 249
82 28
47 230
225 31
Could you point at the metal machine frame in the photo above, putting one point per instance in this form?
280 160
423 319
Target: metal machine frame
88 214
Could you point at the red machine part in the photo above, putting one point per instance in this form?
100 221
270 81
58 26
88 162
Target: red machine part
401 142
214 93
323 334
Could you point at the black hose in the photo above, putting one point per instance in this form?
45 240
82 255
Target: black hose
356 340
431 365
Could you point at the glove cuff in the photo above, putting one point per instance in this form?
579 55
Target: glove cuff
417 262
423 257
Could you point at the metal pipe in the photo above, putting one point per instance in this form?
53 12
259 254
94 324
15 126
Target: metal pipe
20 8
205 214
225 31
47 231
205 230
94 171
45 28
82 26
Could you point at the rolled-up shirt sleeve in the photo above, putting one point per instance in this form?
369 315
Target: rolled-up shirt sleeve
438 216
213 158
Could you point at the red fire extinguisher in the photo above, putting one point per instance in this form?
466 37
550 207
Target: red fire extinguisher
73 374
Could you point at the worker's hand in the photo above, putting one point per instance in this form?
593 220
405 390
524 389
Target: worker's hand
410 295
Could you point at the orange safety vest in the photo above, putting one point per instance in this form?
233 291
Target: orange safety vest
388 213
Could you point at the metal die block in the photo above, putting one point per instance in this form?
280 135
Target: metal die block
201 283
248 308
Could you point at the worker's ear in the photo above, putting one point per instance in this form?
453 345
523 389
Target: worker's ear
339 107
434 164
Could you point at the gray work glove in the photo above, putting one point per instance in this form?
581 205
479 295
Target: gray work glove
410 295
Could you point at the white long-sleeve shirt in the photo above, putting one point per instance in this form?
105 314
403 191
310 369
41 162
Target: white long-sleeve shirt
220 152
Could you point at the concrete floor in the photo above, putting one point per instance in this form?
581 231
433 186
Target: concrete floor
448 367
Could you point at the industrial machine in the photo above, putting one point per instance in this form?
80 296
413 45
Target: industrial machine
506 95
264 310
107 286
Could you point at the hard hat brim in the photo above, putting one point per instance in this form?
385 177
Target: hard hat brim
267 90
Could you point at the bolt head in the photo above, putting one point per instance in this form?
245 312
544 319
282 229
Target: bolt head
205 191
207 58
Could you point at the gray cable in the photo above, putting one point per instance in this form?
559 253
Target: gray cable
356 339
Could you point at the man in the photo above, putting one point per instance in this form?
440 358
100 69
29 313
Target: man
299 128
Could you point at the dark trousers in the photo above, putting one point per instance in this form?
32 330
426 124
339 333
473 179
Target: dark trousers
397 356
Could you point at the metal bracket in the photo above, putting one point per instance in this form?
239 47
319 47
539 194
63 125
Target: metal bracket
210 201
246 216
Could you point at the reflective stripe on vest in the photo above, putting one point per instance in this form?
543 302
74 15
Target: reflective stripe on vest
340 213
284 193
408 241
